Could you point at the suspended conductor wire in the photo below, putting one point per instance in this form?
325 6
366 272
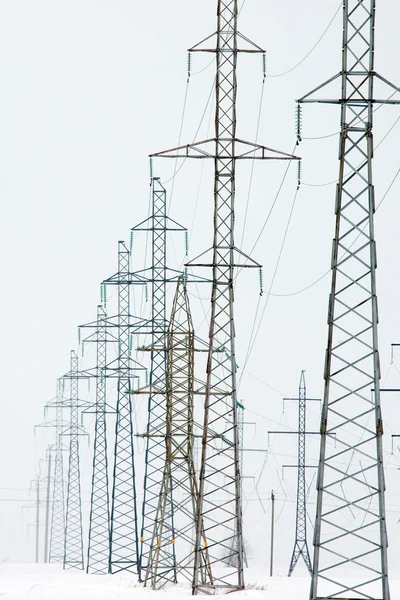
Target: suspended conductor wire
252 341
204 68
274 202
179 140
252 162
194 139
329 270
313 48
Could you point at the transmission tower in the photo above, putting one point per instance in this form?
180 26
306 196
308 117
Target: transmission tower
57 531
219 492
159 275
73 541
179 472
351 538
124 552
300 543
99 521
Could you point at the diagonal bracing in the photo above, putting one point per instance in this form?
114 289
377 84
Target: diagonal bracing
350 557
179 473
219 506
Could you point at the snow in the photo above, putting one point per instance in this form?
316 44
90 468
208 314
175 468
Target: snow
50 582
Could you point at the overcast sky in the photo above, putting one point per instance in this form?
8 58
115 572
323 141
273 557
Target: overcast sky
89 89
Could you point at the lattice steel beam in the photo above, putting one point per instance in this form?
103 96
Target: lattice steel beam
179 473
219 500
350 558
300 543
158 275
57 528
124 550
98 556
73 541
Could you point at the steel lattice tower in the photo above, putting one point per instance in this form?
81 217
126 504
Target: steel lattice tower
179 471
351 538
73 543
158 275
57 531
219 491
99 521
300 543
124 552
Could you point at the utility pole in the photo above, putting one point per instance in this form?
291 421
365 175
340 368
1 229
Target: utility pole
219 491
271 555
353 536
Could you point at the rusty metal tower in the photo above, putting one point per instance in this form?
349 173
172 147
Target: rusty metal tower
220 542
179 473
350 557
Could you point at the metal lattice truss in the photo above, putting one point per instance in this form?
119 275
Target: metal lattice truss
179 473
158 224
219 488
124 551
57 531
73 542
99 520
300 543
350 558
158 275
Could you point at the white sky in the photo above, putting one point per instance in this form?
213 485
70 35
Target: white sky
89 89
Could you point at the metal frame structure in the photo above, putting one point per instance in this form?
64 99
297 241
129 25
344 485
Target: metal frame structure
350 557
124 549
300 542
158 275
219 505
57 527
73 541
98 555
179 473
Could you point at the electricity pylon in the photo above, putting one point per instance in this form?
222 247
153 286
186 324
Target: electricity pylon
73 541
98 555
179 472
350 531
124 551
158 275
219 492
300 542
57 530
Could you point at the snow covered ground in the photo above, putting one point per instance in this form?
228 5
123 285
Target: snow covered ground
50 582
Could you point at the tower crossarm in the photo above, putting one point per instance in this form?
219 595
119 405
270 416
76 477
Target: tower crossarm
350 557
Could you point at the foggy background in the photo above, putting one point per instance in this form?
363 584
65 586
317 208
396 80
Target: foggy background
88 89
